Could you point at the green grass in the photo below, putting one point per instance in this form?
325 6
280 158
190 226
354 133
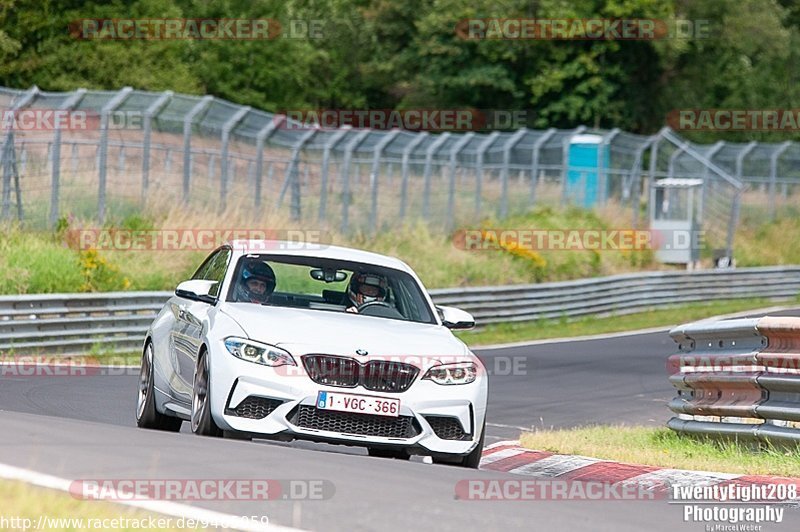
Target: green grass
662 447
30 503
540 330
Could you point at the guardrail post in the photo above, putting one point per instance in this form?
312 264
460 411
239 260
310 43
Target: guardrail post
488 141
147 125
292 178
102 162
374 175
199 107
237 117
7 153
348 155
325 170
409 149
773 175
535 156
512 141
261 138
451 192
68 105
565 162
426 176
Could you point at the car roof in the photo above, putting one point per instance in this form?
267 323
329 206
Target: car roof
326 251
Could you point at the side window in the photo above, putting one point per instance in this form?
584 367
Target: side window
213 269
203 269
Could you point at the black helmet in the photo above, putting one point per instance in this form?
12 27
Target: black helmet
367 287
259 271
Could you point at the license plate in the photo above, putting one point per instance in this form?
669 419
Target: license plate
361 404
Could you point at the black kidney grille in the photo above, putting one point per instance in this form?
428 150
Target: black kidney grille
447 428
254 407
310 417
376 375
332 371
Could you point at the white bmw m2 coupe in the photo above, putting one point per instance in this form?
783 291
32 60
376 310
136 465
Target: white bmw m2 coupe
282 340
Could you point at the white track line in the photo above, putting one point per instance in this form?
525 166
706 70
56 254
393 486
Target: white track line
162 507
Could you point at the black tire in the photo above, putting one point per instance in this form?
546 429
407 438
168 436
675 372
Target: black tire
147 417
380 452
202 421
471 460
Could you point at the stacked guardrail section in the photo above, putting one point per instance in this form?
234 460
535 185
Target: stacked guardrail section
738 378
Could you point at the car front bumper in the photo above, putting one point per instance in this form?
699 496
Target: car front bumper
423 406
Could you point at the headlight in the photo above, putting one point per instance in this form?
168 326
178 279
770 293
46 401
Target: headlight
265 354
456 373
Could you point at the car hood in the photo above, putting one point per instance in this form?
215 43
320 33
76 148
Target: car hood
302 331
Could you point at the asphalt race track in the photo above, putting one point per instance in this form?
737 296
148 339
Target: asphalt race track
83 427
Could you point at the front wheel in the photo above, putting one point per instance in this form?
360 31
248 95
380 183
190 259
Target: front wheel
202 421
147 417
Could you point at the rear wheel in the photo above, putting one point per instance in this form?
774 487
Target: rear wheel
147 417
202 421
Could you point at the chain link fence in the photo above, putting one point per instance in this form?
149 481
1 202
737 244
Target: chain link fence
206 153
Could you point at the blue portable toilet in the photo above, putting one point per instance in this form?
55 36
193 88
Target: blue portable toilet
586 185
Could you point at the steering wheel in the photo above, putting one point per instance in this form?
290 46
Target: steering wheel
369 304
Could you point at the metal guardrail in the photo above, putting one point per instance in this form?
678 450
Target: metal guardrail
116 321
738 378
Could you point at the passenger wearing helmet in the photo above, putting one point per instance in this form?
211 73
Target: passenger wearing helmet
256 283
366 288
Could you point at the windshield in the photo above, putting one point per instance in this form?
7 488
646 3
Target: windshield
328 285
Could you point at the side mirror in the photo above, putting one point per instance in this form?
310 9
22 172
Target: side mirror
197 290
455 318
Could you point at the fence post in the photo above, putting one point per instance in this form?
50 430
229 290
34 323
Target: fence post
231 123
508 145
102 161
374 175
634 181
404 178
773 175
7 152
147 125
535 156
204 102
432 149
291 175
601 163
565 144
261 139
451 190
326 157
488 141
348 155
68 105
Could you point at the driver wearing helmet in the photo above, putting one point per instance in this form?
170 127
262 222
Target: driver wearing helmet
366 288
256 283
